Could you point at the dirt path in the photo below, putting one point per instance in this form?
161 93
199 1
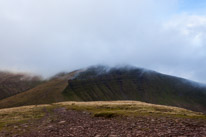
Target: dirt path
71 123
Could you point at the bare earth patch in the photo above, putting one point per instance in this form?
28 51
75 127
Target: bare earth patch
98 119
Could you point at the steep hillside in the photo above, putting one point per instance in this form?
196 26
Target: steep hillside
99 83
104 84
14 83
47 92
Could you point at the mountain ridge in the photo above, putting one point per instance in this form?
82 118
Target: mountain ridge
14 83
100 83
130 83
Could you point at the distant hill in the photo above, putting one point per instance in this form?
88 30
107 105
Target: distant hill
45 93
14 83
129 83
105 84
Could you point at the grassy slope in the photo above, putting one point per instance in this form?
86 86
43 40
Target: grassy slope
48 92
134 85
14 83
130 108
147 87
105 109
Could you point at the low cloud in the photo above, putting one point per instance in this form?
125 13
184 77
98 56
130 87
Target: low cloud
50 36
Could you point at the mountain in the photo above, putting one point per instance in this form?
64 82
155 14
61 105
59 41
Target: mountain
130 83
45 93
106 84
14 83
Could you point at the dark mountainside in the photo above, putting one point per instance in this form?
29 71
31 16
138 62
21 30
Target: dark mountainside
48 92
12 84
104 84
129 83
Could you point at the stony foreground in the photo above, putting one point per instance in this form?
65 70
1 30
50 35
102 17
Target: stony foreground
71 123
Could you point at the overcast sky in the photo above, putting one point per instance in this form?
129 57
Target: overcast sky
50 36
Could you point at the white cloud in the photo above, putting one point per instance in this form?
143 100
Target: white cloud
50 36
191 30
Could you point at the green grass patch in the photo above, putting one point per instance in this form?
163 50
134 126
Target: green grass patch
14 116
106 109
130 108
105 114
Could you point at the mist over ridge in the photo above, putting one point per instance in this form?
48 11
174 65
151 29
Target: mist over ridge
100 70
47 37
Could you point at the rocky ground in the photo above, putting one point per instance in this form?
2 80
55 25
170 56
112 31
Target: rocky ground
70 123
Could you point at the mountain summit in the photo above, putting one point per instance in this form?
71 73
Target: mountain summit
101 83
131 83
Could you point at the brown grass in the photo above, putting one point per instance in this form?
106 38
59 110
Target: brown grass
130 108
106 109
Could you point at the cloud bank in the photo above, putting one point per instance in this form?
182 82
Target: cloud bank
50 36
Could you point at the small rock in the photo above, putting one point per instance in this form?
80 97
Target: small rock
113 136
50 126
25 126
62 122
85 112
